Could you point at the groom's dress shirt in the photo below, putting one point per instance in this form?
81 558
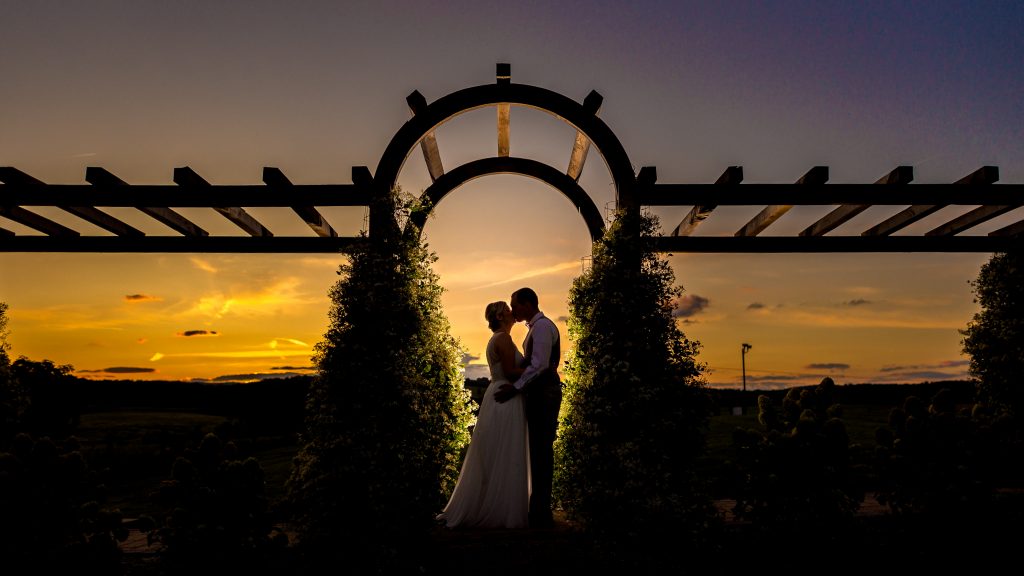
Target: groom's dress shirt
542 341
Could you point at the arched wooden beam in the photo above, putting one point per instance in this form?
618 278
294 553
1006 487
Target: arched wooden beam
521 166
468 99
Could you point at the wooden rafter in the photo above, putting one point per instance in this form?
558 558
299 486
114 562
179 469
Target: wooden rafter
1013 230
581 145
274 177
842 214
895 223
186 176
732 175
431 154
36 222
101 177
757 224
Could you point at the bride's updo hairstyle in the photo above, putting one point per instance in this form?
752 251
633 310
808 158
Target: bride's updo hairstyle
494 313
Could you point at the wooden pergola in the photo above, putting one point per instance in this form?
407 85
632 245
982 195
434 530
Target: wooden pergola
21 191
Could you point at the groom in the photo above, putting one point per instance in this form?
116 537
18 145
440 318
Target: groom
543 397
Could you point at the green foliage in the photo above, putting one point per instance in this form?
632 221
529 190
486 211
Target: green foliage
216 514
387 415
635 407
995 338
800 471
53 518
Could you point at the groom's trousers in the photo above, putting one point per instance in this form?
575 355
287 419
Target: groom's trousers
543 400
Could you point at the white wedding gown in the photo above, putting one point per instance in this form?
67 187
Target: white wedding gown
493 490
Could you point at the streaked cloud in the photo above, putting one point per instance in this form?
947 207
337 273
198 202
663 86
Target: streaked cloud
857 302
940 365
755 306
689 305
156 357
203 265
141 298
830 366
119 370
84 155
533 273
310 367
278 341
191 333
142 341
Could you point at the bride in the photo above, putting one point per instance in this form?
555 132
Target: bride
493 490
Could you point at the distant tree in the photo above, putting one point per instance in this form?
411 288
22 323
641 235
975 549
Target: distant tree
387 415
635 406
49 403
994 339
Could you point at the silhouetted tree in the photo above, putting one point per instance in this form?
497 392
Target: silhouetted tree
635 407
387 414
994 339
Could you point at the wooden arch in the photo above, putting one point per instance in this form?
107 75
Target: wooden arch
512 165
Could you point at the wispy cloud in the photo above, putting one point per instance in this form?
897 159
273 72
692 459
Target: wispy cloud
203 265
277 342
156 357
85 155
856 302
310 367
141 298
939 365
755 306
533 273
281 296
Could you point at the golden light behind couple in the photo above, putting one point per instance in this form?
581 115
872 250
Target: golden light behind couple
505 481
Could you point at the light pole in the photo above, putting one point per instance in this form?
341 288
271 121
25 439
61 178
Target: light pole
743 362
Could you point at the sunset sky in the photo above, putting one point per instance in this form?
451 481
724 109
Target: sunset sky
317 87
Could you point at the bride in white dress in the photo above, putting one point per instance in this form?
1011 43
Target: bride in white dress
493 490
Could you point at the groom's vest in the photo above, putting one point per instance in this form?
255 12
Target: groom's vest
548 376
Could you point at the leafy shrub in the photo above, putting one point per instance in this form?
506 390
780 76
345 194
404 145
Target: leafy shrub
936 459
634 407
798 473
53 516
216 513
387 415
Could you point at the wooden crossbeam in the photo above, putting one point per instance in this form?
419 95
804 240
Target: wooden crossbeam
764 219
580 147
87 213
754 194
181 244
698 214
431 154
275 177
842 214
1015 229
6 232
102 177
846 244
186 176
981 176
